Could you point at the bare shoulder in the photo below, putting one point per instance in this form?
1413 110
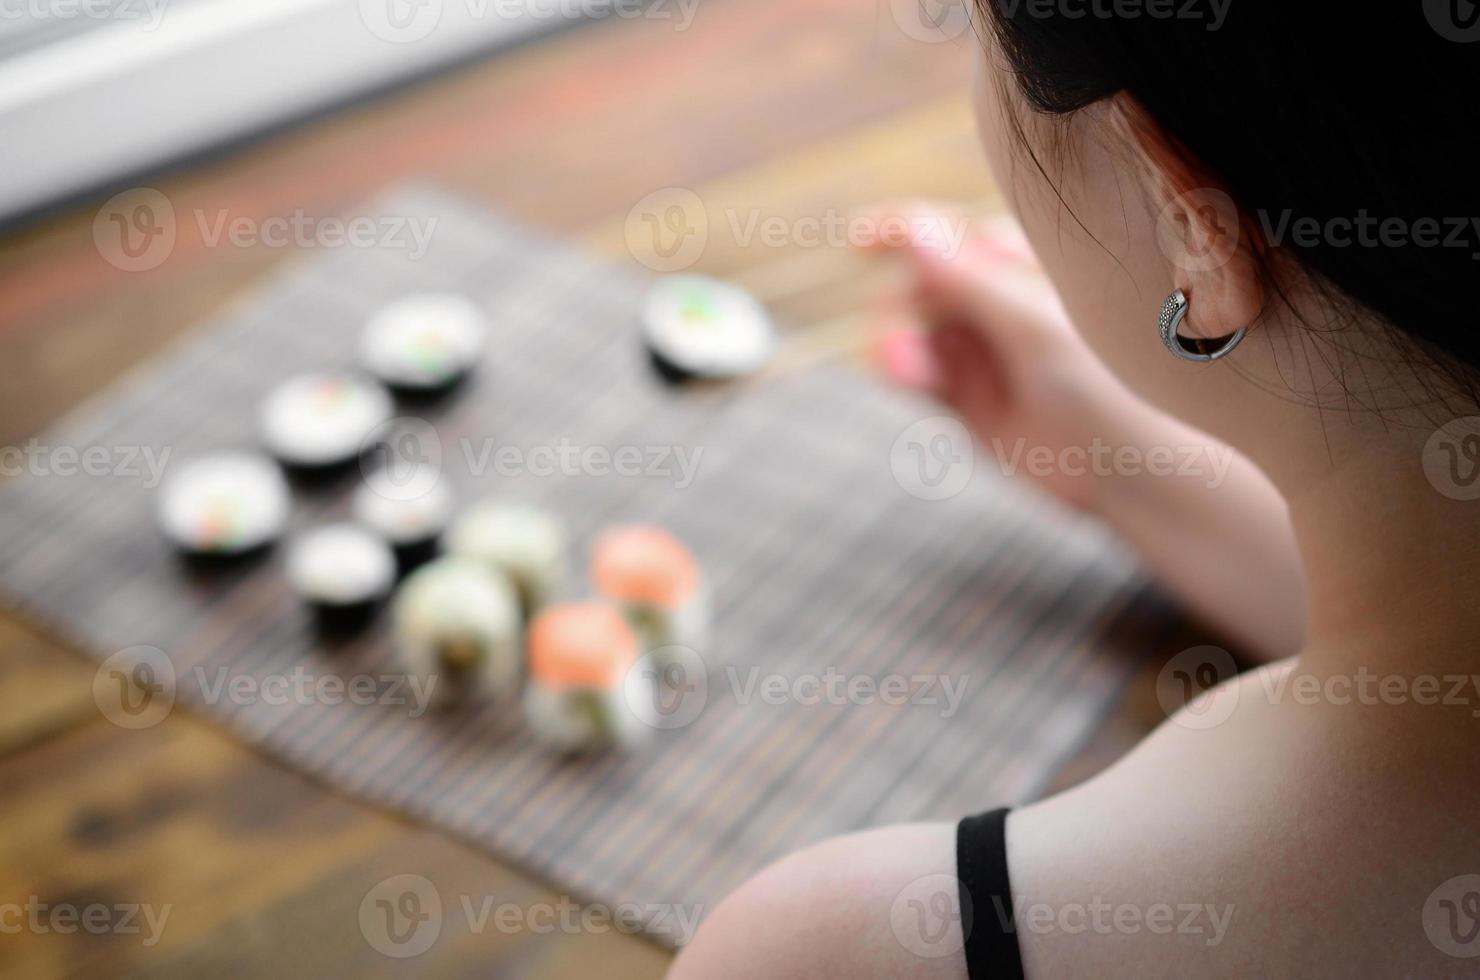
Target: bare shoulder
1267 833
872 904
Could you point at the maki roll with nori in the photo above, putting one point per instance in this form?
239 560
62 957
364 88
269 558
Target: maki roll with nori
409 509
425 342
698 327
343 572
321 420
224 504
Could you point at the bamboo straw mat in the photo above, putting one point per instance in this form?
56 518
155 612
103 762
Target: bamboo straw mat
817 560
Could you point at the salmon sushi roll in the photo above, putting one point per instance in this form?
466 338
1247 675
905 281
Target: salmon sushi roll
522 542
580 655
457 621
657 583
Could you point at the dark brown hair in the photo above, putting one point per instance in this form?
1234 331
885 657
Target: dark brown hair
1310 115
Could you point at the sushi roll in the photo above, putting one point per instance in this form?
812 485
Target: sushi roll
580 655
525 543
697 327
224 504
456 620
410 513
656 582
424 342
343 572
322 419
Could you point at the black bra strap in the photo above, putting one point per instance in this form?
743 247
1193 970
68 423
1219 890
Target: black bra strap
986 898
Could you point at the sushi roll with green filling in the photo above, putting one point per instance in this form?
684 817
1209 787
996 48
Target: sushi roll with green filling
525 543
343 572
698 327
457 621
224 504
580 655
424 342
656 581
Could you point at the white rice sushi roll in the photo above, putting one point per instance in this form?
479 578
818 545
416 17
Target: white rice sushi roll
698 327
657 583
525 543
343 572
457 621
322 419
580 655
224 504
423 342
410 510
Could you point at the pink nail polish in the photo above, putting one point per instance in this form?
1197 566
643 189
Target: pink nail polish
908 359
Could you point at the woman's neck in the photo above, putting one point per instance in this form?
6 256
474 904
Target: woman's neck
1393 565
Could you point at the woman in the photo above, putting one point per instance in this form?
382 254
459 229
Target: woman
1258 228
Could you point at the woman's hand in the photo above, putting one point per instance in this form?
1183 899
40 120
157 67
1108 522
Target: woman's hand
985 332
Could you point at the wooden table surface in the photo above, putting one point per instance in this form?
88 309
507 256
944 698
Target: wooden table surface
764 108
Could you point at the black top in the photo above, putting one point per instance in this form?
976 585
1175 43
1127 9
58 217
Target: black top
986 898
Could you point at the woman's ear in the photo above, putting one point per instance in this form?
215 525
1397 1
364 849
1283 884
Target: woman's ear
1211 252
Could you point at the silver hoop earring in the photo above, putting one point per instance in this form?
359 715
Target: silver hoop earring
1191 348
